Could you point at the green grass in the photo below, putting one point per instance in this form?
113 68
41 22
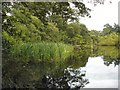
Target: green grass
41 51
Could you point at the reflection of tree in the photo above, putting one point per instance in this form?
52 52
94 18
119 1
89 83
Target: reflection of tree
110 54
18 74
15 75
72 78
30 75
79 58
109 60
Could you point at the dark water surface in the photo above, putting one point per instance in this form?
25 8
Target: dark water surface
96 68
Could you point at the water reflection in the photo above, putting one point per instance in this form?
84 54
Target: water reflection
72 78
100 65
110 54
100 75
79 58
40 76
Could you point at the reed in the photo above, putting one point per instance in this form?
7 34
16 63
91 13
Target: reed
41 51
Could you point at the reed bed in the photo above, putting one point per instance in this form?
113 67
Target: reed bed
41 51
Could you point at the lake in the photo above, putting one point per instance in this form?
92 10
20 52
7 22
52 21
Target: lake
85 68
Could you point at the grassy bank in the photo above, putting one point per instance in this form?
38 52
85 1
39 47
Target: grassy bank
41 51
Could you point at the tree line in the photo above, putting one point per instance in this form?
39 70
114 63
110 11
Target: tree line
52 22
109 36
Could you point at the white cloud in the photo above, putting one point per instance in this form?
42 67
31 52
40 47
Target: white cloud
101 15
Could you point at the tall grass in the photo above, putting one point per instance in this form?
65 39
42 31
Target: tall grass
41 51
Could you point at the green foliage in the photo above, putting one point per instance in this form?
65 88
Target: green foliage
110 54
41 51
107 29
109 36
21 26
116 28
27 22
79 58
110 39
109 51
44 10
37 22
78 34
94 35
8 37
31 24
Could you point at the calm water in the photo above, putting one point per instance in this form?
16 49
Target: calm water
100 75
96 68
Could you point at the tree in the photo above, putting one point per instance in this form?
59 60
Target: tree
95 2
107 29
110 39
110 35
94 36
43 10
116 28
22 26
78 34
19 25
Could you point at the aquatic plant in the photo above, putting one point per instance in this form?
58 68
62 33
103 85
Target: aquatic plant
41 51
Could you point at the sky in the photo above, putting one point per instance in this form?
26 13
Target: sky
102 77
101 15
